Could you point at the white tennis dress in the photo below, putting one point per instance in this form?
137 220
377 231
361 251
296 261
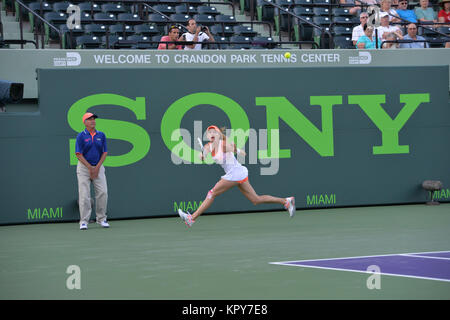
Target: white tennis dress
234 171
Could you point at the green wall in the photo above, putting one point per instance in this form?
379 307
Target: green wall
347 136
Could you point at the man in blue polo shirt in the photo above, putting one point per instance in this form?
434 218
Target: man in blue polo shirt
91 151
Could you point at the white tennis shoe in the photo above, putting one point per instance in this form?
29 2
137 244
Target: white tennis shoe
290 206
83 226
104 224
186 217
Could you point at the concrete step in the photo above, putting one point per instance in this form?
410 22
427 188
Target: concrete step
16 36
11 27
7 18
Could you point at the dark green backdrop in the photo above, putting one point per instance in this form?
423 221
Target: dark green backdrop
37 176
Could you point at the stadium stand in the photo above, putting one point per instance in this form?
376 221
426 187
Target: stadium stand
144 21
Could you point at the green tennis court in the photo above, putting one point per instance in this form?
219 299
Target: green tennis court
223 256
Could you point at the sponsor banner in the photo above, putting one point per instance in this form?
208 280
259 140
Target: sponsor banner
370 138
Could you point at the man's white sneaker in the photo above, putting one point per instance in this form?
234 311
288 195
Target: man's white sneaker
290 206
83 226
186 217
104 224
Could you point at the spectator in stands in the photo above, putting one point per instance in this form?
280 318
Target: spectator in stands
404 13
367 41
196 34
358 31
412 35
392 36
444 14
384 29
174 35
356 10
385 6
425 13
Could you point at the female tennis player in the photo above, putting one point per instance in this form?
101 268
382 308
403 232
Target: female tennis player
235 175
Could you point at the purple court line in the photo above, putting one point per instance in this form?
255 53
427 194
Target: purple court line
410 265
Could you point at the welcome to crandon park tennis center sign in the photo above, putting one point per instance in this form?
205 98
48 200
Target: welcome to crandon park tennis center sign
336 136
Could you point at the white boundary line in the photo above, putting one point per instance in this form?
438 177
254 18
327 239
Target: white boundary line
426 257
359 271
298 264
354 257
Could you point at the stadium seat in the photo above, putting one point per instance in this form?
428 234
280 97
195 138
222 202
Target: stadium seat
159 21
244 31
186 9
95 29
322 2
88 42
303 31
343 42
345 20
321 11
264 11
204 19
113 8
303 2
226 19
342 30
224 31
241 45
146 30
61 6
104 17
120 29
445 30
85 17
167 9
69 36
142 42
156 38
264 42
303 11
129 17
321 20
208 10
89 6
112 41
180 18
219 43
194 3
341 12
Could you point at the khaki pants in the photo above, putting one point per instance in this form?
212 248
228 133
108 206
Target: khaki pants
84 194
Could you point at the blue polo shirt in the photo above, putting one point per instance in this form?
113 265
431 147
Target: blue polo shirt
91 146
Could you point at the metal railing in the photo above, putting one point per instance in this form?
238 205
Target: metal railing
322 30
36 26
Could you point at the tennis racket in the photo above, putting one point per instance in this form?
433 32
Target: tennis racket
200 143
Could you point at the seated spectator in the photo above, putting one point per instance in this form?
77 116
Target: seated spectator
444 14
367 41
404 13
384 29
391 45
174 35
358 31
425 13
385 6
356 10
412 35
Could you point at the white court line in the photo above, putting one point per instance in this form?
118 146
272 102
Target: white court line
360 271
356 257
426 257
